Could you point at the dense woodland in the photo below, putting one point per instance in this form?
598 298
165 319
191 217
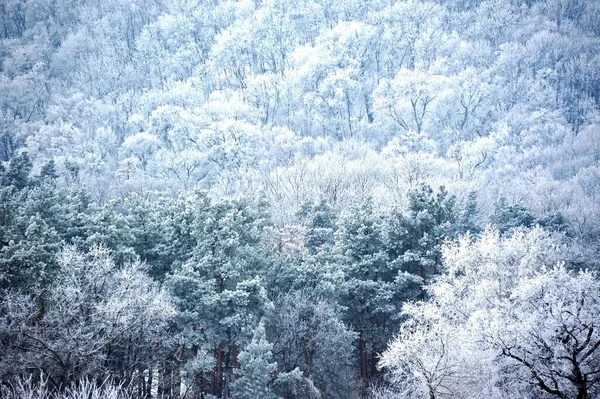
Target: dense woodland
299 199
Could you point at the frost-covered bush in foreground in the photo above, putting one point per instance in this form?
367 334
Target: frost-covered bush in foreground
84 389
507 319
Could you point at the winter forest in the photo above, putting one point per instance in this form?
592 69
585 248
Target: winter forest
299 199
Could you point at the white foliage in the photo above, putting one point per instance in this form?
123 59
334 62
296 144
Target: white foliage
506 317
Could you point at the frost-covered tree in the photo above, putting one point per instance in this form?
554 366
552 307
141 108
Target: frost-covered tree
321 226
507 318
408 98
219 287
257 371
28 259
414 240
373 289
95 320
309 337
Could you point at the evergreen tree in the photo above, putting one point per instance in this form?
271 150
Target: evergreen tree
48 171
467 219
506 217
28 261
147 217
17 174
321 226
108 225
257 370
372 290
414 240
305 254
219 289
8 208
183 220
309 337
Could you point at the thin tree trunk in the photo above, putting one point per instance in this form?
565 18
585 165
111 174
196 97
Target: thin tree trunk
227 375
148 393
168 379
362 348
218 373
176 384
160 376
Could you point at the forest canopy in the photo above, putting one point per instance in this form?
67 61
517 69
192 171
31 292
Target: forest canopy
299 199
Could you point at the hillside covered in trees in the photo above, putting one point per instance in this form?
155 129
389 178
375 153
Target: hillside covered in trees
299 199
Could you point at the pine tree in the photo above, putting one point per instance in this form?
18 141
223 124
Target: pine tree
257 371
467 220
108 226
48 171
28 262
369 284
147 217
507 218
321 225
17 174
414 240
219 288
